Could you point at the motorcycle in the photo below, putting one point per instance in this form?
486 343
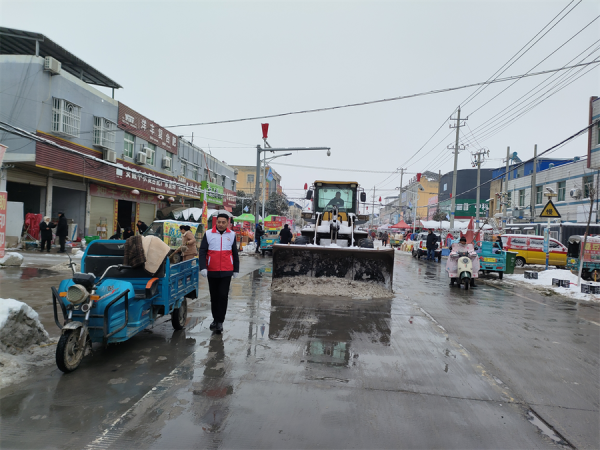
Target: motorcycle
461 268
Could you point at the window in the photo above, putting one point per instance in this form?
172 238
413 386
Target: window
195 174
250 178
128 145
206 175
520 171
224 179
522 197
66 117
588 184
168 162
562 190
536 242
445 187
554 244
183 169
150 154
509 200
539 197
104 133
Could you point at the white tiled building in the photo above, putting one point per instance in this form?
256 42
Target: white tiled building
570 181
594 135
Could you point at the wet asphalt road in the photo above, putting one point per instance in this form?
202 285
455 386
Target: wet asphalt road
434 367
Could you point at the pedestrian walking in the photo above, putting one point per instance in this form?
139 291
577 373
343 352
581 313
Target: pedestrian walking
257 235
188 243
46 233
141 226
285 235
219 261
62 231
431 245
384 238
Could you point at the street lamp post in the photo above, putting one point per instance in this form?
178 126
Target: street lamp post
268 148
264 178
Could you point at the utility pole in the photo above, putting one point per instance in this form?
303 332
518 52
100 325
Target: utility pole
400 192
455 148
478 162
533 184
505 196
373 212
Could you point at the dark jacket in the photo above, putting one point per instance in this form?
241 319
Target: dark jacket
142 227
203 258
128 233
431 241
285 236
259 233
46 230
385 236
62 229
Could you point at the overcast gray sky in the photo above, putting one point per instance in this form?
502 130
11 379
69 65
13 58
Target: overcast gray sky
190 62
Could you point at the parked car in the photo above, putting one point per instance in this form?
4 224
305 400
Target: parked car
530 250
420 246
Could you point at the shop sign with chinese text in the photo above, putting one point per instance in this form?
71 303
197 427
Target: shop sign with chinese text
140 126
98 190
215 193
591 254
3 207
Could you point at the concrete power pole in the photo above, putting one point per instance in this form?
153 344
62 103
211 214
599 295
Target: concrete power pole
455 148
534 184
400 192
505 196
478 162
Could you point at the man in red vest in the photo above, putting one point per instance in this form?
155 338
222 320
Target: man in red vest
219 261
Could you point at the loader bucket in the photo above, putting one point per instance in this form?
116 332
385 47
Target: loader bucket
352 263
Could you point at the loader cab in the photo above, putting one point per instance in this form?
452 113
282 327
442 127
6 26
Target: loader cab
327 195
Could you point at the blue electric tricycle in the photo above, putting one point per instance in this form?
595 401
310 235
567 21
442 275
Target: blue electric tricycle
109 302
492 259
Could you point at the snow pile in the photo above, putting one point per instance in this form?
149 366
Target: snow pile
19 327
11 259
79 254
334 287
24 343
250 247
544 281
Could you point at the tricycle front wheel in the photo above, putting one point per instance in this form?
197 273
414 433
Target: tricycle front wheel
179 316
68 351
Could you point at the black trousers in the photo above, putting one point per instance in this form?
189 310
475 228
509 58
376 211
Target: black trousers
219 297
63 240
44 241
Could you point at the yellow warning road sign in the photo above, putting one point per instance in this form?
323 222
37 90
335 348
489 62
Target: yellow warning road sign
550 211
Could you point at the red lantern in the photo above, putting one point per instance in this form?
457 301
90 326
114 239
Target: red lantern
418 177
265 129
379 198
305 186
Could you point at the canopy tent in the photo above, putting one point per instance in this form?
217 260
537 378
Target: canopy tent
387 226
247 217
401 225
190 214
461 225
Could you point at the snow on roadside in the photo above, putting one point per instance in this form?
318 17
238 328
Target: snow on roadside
24 343
545 281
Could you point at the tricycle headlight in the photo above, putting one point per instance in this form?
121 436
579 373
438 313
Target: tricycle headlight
77 294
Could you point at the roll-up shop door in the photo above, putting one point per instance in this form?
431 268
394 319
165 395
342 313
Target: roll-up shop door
147 211
102 212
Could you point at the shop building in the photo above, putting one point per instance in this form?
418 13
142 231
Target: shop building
73 148
247 182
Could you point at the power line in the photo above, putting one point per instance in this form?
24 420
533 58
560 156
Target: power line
331 168
371 102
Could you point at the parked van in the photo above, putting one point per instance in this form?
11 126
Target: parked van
168 231
530 250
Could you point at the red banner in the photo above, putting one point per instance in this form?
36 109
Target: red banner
3 206
229 198
137 177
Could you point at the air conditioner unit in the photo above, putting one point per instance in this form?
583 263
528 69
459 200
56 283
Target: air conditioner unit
575 193
110 155
166 163
141 158
52 65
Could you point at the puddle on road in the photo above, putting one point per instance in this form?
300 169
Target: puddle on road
545 429
26 273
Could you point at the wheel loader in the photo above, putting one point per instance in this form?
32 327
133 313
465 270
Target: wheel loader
333 243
